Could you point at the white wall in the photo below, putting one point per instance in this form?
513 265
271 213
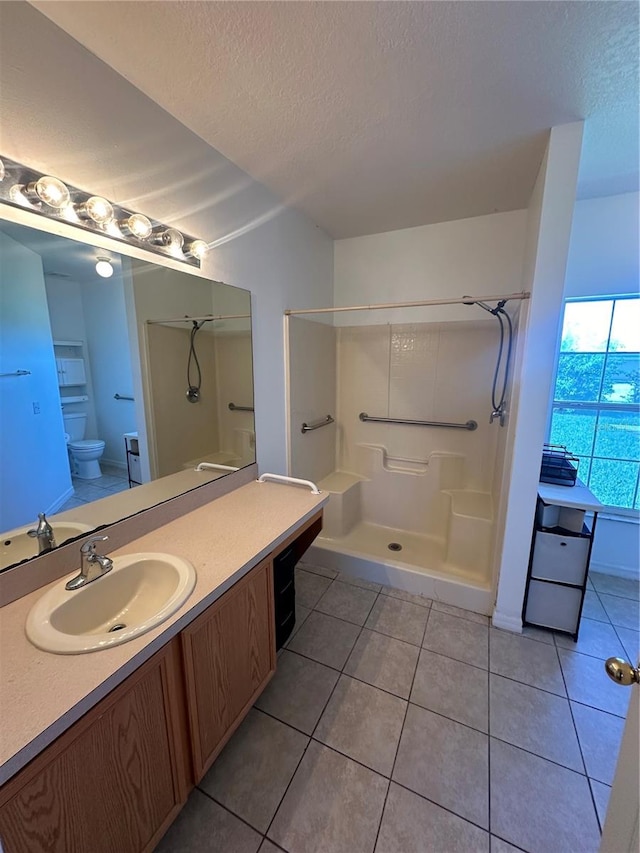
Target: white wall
549 224
32 446
604 252
480 256
72 116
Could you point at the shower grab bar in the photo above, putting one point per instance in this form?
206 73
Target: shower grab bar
234 408
470 425
17 373
204 466
280 478
310 427
122 397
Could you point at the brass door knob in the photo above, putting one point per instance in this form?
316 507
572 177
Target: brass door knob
622 672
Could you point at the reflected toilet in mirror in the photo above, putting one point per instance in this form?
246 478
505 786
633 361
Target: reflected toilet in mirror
97 375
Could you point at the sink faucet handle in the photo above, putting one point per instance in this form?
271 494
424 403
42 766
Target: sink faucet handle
89 547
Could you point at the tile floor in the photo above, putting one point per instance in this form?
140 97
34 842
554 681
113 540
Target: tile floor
399 725
86 491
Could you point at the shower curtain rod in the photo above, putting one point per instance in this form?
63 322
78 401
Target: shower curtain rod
461 300
198 319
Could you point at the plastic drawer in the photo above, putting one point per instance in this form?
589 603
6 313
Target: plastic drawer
553 606
560 558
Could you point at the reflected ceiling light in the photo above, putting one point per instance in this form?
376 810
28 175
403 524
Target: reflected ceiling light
47 189
97 209
104 267
198 248
136 225
48 196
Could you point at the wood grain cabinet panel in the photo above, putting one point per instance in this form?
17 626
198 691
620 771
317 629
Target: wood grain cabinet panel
229 656
113 782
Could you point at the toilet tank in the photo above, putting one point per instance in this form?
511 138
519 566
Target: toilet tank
75 424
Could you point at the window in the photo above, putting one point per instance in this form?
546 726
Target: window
596 404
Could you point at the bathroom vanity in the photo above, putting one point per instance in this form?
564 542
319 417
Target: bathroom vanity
99 751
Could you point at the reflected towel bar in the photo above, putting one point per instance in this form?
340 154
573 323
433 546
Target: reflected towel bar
213 466
310 427
122 397
470 425
234 408
17 373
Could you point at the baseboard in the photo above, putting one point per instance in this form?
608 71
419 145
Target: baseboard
60 501
506 622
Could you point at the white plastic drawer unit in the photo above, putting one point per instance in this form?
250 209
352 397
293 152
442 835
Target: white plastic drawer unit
553 606
560 558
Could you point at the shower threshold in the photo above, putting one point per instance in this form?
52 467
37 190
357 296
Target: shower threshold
419 567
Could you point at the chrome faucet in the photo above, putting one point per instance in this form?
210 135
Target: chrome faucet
92 565
44 534
499 413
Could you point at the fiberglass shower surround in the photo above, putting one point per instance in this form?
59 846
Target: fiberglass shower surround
412 463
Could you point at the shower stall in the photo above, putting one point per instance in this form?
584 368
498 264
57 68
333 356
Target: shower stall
404 425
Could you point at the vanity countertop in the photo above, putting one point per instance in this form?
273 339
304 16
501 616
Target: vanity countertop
42 694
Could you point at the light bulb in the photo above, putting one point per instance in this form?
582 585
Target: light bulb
198 248
49 190
96 208
137 225
172 239
104 268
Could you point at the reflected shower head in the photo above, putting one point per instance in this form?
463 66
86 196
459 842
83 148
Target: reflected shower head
467 300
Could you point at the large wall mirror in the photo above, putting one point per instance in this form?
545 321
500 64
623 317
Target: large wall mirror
112 389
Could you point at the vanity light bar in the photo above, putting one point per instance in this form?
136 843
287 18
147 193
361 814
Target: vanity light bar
48 196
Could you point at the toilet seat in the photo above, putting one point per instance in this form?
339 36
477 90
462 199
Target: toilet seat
87 444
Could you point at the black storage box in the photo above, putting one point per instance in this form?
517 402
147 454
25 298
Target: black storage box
559 467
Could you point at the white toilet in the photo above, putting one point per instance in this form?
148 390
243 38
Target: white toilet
83 452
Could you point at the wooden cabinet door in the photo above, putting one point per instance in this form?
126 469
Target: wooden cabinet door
112 782
229 656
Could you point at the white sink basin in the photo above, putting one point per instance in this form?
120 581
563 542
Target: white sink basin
16 545
140 592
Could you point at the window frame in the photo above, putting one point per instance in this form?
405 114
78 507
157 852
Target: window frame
596 406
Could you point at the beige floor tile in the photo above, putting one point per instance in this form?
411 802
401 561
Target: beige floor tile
451 688
301 615
364 723
601 794
413 597
445 762
540 806
500 846
399 619
384 662
457 638
597 639
525 660
253 770
298 692
599 734
624 612
205 825
542 635
333 805
459 611
588 683
317 570
630 639
344 577
534 720
592 607
325 639
348 602
613 585
409 820
310 588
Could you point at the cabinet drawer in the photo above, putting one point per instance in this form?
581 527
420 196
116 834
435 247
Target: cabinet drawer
560 558
553 606
135 472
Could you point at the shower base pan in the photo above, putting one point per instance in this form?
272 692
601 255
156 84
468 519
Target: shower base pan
418 566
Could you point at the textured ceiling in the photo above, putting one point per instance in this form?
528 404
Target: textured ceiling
373 116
